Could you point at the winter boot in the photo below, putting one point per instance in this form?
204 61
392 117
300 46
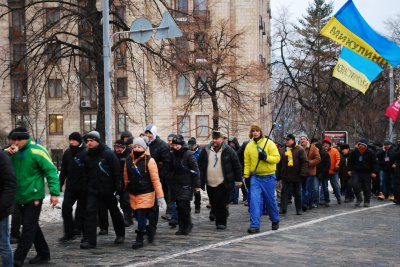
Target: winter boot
151 232
181 226
188 226
139 239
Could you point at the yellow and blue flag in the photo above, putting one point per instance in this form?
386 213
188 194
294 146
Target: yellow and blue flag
355 70
348 28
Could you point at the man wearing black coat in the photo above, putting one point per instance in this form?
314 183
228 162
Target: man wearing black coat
323 176
362 167
160 152
344 176
8 187
386 159
104 180
220 170
73 176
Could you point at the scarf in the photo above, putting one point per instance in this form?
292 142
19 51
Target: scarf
289 155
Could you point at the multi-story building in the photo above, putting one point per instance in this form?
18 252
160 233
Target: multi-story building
69 98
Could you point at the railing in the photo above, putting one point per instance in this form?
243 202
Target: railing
20 105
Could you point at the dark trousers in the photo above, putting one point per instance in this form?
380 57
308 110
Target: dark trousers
16 222
141 216
348 188
69 200
197 199
362 183
125 204
152 215
218 199
103 217
31 232
295 188
184 218
94 202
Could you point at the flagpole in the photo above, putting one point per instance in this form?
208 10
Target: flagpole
391 96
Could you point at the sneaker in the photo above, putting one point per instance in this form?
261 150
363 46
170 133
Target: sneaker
172 223
391 197
87 245
315 206
381 196
358 203
252 230
282 212
275 226
366 204
166 217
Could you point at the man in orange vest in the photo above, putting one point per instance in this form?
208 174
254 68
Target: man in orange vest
334 169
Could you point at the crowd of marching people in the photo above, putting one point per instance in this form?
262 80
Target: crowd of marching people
142 175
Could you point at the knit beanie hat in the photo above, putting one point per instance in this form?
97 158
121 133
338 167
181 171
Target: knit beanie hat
75 136
171 136
255 127
95 135
140 142
178 140
327 140
19 133
192 141
363 141
291 136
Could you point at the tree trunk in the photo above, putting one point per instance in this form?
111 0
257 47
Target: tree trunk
215 107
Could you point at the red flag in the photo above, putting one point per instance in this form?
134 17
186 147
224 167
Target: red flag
393 111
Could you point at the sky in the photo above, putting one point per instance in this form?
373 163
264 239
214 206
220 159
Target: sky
375 12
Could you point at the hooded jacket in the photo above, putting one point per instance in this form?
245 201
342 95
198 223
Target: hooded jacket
31 164
159 151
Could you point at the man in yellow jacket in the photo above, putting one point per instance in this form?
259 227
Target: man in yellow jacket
260 159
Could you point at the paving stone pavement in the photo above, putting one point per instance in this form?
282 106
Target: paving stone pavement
370 237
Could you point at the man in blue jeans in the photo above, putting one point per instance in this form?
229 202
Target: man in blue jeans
7 193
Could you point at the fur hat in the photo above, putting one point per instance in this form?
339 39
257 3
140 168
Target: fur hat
120 143
178 140
75 136
255 127
217 134
19 133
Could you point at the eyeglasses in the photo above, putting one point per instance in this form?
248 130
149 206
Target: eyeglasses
216 159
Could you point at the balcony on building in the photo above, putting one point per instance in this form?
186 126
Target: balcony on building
20 105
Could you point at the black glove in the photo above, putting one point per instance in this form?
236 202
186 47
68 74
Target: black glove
262 155
336 169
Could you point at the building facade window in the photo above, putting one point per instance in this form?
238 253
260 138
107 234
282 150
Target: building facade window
89 122
88 90
53 52
199 8
17 23
183 86
53 16
184 126
56 122
122 120
21 121
55 89
20 90
120 56
181 7
19 53
122 87
202 126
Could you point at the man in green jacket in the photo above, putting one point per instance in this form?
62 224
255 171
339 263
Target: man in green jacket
32 164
